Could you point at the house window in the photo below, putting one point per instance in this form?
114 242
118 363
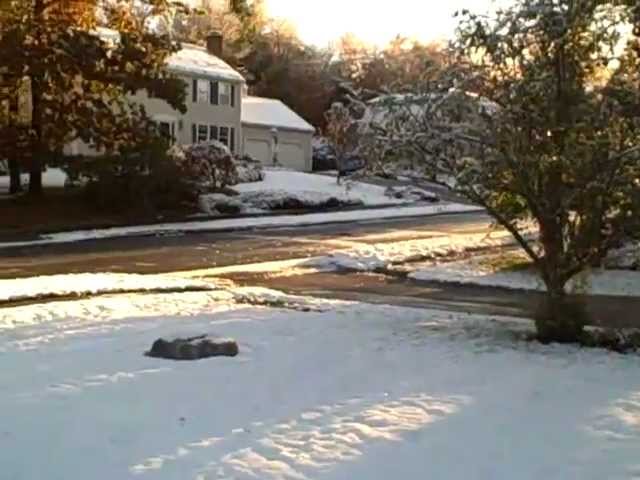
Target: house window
203 91
213 92
213 132
224 136
227 136
203 133
224 93
167 130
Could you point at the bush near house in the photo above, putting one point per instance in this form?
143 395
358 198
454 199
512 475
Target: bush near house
139 179
150 177
210 166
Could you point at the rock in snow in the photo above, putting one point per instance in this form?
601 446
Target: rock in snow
194 348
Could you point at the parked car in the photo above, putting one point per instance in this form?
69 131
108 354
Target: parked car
324 157
350 164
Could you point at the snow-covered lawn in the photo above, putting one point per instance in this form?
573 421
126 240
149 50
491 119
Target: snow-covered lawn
91 284
350 392
284 189
52 178
248 223
315 187
481 270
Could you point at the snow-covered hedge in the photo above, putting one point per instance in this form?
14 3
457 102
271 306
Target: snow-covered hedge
249 170
272 200
411 193
212 166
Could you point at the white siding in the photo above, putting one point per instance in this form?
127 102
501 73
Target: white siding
294 149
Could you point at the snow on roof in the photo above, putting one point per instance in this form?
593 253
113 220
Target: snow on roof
190 60
193 59
269 112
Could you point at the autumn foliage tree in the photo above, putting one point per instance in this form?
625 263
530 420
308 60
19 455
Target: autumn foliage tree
401 63
80 76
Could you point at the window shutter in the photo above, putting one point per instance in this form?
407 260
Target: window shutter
232 140
213 93
213 132
194 133
195 90
233 96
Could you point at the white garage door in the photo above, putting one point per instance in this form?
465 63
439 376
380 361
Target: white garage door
291 155
259 149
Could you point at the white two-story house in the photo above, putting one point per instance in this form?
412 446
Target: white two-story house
218 108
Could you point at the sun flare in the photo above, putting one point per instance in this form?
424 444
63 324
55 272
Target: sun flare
375 22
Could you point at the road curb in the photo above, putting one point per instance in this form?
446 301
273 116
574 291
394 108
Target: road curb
197 226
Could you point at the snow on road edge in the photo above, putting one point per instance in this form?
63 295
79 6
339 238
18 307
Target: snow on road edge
246 223
472 272
83 284
383 255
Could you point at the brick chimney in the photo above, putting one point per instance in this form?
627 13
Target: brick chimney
214 43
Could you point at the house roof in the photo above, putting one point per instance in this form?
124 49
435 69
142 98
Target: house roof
268 112
190 59
193 59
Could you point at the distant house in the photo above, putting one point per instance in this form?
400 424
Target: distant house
219 109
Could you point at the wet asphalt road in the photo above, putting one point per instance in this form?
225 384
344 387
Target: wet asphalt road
193 251
609 311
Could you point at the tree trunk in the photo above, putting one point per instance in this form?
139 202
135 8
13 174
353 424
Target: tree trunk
35 168
15 183
35 177
560 318
37 147
38 151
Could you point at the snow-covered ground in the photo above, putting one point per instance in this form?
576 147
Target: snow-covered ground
92 284
480 270
248 223
52 178
350 392
314 187
284 189
369 257
625 257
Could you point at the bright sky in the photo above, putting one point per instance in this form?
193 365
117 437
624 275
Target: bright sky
374 21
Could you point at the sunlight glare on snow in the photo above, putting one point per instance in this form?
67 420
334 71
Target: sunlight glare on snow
324 439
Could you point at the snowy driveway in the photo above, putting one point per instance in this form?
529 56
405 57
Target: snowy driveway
349 392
